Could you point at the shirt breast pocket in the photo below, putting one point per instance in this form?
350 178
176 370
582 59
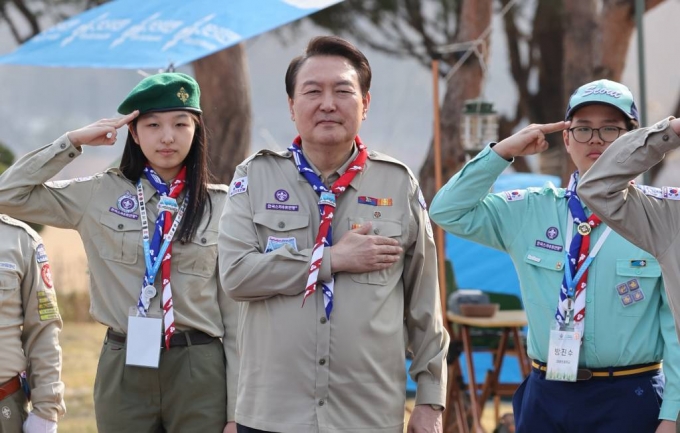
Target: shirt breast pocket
10 299
198 257
636 280
545 270
119 238
276 230
388 228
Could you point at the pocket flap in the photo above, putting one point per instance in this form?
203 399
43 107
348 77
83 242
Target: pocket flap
387 228
542 258
280 222
120 224
645 267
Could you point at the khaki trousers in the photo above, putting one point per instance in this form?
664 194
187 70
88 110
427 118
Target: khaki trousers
186 393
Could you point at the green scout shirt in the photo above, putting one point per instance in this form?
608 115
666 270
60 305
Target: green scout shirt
531 226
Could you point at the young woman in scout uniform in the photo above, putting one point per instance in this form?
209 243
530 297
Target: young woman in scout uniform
599 318
150 234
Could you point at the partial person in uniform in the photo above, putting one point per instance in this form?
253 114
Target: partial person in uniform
599 319
648 217
330 248
150 234
29 334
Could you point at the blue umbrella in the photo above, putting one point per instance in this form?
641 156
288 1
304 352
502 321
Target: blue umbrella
156 34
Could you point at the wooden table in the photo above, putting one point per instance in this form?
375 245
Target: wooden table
510 322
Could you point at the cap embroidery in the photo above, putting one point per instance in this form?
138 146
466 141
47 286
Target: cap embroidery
183 95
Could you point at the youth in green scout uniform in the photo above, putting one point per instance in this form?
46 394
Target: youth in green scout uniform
29 333
163 364
340 228
646 216
596 306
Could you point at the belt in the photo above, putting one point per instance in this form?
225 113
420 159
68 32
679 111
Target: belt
178 339
10 387
607 372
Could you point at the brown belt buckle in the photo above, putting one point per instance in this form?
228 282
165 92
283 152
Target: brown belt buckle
584 374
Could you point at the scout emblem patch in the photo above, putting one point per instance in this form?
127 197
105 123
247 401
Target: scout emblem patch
238 186
281 195
274 243
552 233
127 205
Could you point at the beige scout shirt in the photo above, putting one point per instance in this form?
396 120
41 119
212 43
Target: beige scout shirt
99 208
29 318
299 372
649 219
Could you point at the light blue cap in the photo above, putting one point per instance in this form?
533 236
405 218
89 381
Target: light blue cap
604 92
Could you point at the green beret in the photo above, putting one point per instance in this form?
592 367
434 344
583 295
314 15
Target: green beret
163 92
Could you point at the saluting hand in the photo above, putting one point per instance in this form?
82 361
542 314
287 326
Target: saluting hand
101 132
358 252
528 141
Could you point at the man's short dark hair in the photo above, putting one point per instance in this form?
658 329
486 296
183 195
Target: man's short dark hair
330 46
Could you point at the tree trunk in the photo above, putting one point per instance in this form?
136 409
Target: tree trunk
225 99
465 84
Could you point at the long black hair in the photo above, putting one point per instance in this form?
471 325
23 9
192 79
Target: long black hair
198 176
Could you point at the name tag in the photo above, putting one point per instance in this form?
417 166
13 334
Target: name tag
563 352
143 346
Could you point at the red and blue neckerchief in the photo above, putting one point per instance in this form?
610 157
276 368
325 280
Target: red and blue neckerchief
574 282
165 227
327 203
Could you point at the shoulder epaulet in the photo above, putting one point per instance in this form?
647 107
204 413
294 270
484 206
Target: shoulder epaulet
12 222
61 184
377 156
662 193
218 187
521 194
266 152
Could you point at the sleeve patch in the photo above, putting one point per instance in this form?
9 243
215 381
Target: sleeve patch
47 305
41 254
514 195
238 186
8 266
58 184
666 192
46 274
421 199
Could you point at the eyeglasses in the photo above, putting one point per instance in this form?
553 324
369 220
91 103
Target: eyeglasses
583 134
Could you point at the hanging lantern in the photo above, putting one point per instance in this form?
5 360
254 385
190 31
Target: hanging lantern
479 125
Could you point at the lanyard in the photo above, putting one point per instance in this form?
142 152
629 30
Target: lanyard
152 269
571 282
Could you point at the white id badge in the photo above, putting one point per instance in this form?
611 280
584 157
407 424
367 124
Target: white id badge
143 347
563 355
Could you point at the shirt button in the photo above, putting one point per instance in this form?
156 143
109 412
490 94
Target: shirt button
589 300
322 361
120 226
281 224
639 271
588 338
323 320
665 137
63 145
376 231
321 402
71 155
203 240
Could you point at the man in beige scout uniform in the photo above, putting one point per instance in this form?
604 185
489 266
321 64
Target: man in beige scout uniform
329 245
29 330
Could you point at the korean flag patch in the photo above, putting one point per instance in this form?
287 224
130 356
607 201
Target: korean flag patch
238 186
514 195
